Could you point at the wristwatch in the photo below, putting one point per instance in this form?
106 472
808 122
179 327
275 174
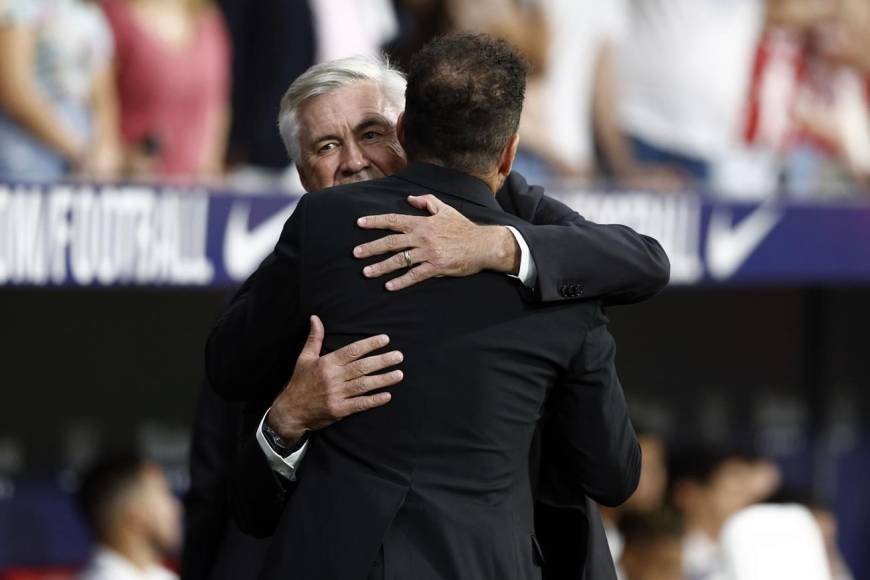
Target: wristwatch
279 445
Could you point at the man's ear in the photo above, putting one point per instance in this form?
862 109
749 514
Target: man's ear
400 129
508 155
303 177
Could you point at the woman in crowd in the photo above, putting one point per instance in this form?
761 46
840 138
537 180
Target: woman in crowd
172 60
57 106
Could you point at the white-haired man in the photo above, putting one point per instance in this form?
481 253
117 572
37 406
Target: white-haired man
338 121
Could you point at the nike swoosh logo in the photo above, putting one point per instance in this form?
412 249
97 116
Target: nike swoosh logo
728 247
245 248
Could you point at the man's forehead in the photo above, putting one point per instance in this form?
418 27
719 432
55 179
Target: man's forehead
348 104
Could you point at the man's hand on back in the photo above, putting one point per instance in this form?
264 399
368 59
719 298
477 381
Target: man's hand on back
445 243
325 389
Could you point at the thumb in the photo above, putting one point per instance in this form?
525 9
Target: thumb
427 202
314 342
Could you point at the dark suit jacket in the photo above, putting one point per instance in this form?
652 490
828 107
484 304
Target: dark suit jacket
577 258
439 478
214 547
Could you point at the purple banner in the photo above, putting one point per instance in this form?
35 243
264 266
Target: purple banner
107 236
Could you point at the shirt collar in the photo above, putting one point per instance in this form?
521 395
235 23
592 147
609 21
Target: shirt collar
450 182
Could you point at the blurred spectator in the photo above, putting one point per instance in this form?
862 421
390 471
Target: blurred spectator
284 30
572 96
653 546
707 487
827 523
685 74
57 103
773 541
419 22
808 106
135 519
172 61
352 27
647 498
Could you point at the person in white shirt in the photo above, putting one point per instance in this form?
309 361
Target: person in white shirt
685 75
134 517
708 486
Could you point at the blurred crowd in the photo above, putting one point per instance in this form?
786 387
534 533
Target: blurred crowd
699 513
746 98
676 525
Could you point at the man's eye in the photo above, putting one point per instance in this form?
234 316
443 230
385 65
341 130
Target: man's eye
369 135
328 147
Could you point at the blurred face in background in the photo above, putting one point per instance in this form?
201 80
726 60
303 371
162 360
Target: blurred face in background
737 483
707 504
348 135
653 476
155 512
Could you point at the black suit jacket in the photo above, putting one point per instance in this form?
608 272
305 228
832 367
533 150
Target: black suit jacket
439 477
577 258
214 547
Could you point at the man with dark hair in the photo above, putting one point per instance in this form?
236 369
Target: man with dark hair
461 115
133 516
436 484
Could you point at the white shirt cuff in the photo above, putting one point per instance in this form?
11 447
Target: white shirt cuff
528 273
285 467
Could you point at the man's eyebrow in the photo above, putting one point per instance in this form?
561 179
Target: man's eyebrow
372 121
326 137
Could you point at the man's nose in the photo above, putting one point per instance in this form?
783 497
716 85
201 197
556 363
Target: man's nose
353 159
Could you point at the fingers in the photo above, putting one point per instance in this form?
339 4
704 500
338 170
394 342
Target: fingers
372 364
363 385
391 264
314 342
384 245
360 404
413 276
427 202
359 348
390 221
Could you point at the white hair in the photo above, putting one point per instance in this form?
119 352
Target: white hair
326 77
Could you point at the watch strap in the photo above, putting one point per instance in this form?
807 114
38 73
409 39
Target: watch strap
279 445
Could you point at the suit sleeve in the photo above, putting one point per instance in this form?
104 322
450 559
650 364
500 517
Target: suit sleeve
591 439
577 258
256 493
205 505
250 349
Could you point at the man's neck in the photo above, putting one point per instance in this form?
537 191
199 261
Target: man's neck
136 550
710 526
493 180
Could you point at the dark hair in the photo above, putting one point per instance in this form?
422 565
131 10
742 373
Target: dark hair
103 484
645 528
701 463
463 101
